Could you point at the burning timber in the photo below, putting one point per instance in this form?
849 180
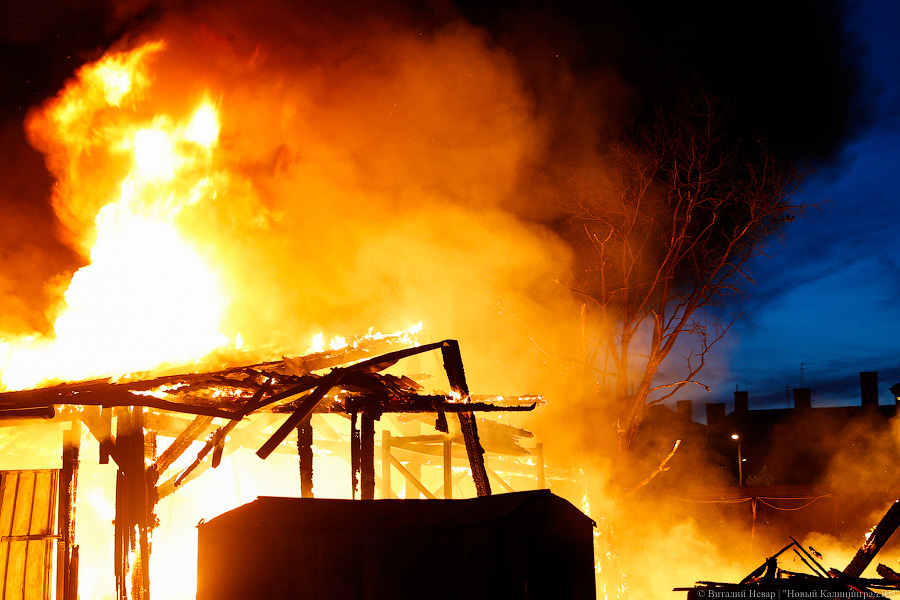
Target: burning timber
770 581
126 418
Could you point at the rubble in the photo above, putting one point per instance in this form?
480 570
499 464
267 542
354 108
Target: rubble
770 581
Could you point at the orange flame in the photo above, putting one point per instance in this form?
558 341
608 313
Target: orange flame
148 297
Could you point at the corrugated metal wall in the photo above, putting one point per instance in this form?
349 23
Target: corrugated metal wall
27 517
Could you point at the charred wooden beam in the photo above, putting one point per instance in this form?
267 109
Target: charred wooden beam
286 369
180 444
367 456
218 451
67 566
135 503
481 407
818 566
38 412
99 423
769 566
355 454
457 377
102 394
213 442
305 456
168 487
302 411
170 424
887 572
877 539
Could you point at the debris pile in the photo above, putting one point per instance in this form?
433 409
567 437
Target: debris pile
770 581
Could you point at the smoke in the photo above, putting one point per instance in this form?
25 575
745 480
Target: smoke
371 170
34 263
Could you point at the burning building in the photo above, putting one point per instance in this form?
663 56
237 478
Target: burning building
190 198
147 426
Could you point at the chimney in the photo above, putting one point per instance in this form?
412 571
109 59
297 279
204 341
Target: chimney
685 410
868 387
802 398
715 413
741 402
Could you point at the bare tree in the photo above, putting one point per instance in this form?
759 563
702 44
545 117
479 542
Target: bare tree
666 228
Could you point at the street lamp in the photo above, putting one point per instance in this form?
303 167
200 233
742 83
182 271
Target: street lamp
737 438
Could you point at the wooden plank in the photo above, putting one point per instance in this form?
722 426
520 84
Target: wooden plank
456 450
498 479
441 491
448 468
386 491
181 443
212 443
33 577
27 509
412 478
66 571
303 410
16 566
8 484
538 453
38 551
255 427
305 457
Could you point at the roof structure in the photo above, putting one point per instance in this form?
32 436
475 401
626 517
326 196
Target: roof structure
186 404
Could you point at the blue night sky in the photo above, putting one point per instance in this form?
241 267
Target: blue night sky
829 296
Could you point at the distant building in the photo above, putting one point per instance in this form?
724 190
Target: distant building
793 469
807 444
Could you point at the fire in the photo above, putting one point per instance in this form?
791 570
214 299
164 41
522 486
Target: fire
147 297
139 170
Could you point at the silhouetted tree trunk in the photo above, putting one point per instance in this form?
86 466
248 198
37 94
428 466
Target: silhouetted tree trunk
666 227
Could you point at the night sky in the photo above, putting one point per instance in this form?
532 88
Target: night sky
828 298
815 77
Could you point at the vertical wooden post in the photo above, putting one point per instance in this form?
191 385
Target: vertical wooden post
367 456
135 503
386 491
305 456
67 552
539 457
105 434
448 469
456 375
354 453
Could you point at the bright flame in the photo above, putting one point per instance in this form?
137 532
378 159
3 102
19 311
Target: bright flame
147 297
117 75
318 343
